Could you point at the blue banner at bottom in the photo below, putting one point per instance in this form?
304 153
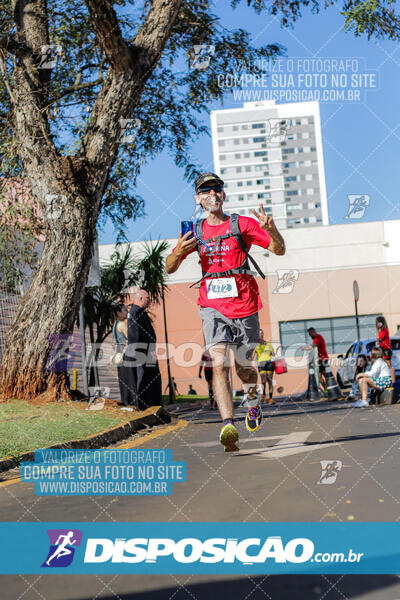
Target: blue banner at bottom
209 548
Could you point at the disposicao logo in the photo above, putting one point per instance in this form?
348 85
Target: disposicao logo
190 550
62 547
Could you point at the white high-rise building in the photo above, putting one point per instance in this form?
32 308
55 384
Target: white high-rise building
272 153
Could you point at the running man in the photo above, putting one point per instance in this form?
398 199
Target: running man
264 354
229 298
62 549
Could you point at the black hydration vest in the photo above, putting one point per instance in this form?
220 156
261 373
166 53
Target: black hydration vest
236 233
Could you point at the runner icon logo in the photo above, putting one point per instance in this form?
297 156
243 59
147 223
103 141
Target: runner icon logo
62 547
358 204
286 281
330 471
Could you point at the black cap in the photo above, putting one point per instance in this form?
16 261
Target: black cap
206 178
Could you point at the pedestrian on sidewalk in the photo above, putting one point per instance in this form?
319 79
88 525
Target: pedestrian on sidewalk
383 341
361 367
264 354
377 378
229 298
126 374
206 363
141 335
323 358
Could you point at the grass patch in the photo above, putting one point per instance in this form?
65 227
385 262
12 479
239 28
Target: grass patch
25 426
184 398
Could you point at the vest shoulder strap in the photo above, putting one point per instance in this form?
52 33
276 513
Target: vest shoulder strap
237 234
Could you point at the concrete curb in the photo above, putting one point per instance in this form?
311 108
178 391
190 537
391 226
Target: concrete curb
155 415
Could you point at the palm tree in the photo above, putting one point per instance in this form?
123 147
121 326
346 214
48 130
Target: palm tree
100 304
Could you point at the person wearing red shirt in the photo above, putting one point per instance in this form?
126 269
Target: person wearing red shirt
383 341
229 298
319 341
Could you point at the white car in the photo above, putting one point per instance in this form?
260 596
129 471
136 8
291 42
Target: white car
346 371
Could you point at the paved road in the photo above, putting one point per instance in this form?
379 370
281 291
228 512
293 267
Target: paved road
276 476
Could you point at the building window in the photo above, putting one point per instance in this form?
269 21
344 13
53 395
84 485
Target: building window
220 129
298 122
223 171
337 331
313 149
257 125
236 142
240 183
288 151
289 164
238 155
235 128
247 169
260 153
240 197
257 140
306 220
291 178
246 155
244 127
259 181
221 142
222 157
238 169
249 182
245 140
260 196
292 193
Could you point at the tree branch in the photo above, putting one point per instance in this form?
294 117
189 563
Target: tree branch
77 85
106 27
130 68
10 44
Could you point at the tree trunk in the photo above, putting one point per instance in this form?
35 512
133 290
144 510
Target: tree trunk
50 305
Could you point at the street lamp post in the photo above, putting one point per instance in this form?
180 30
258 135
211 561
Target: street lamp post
356 292
172 397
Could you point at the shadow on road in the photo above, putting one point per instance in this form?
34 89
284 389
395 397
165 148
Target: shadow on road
272 587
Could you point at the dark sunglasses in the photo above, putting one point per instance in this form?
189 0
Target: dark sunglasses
216 188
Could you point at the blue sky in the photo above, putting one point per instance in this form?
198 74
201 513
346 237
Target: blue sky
361 140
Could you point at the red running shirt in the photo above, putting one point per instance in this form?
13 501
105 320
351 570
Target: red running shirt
384 339
320 343
229 255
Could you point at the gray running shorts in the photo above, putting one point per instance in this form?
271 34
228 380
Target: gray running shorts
240 334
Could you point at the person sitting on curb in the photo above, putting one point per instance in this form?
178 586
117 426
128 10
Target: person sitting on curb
378 377
361 367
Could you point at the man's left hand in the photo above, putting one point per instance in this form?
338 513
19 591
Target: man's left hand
266 221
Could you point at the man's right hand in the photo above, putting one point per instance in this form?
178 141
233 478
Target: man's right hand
184 245
182 248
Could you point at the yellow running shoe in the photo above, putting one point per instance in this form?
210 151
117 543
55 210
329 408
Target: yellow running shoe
229 437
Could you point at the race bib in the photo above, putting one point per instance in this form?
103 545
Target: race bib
221 287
